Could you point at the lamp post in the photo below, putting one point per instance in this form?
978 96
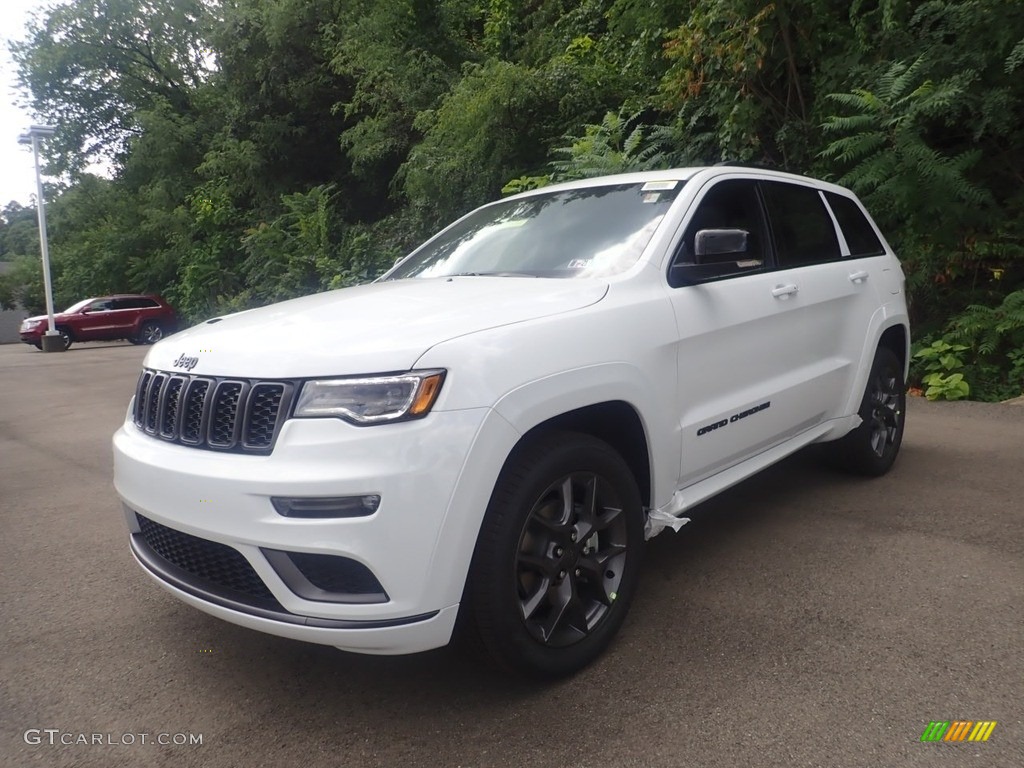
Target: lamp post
52 341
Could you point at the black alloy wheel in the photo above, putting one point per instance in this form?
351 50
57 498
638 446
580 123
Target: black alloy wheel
570 559
872 447
557 558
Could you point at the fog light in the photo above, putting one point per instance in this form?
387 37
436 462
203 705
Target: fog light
330 506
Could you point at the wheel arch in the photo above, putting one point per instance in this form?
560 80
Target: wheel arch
614 422
897 339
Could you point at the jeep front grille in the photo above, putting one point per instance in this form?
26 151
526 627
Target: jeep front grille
214 413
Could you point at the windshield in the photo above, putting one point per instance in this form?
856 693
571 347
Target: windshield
77 306
591 232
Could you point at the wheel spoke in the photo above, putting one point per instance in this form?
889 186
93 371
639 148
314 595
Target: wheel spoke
549 518
530 604
541 564
596 567
566 616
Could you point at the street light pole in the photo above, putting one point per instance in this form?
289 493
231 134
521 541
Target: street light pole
52 341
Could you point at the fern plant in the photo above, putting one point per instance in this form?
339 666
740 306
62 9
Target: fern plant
991 330
881 143
617 145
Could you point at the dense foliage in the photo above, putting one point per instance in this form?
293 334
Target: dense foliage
263 149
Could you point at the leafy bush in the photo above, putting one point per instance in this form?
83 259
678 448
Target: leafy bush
943 375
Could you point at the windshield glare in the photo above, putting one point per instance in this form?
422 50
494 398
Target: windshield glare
76 306
591 232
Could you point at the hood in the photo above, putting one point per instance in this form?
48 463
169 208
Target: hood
44 318
372 328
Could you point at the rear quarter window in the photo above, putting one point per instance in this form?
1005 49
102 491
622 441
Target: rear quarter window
857 230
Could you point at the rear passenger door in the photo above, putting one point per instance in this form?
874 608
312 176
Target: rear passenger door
129 311
834 290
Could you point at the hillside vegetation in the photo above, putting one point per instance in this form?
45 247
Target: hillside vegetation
263 149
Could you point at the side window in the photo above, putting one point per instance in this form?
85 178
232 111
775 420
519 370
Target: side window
856 229
732 204
134 303
100 305
803 230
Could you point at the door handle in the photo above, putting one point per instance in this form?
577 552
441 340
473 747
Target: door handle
859 276
782 291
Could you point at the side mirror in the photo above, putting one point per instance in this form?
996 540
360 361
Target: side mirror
719 242
718 253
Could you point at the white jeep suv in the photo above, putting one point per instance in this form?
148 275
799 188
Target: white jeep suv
487 435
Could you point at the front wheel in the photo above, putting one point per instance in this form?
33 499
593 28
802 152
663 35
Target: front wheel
558 555
65 337
871 448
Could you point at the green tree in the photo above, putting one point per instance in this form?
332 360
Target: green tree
91 65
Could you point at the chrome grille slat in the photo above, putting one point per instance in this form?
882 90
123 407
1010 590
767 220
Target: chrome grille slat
211 413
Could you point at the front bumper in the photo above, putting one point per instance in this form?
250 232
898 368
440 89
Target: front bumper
417 545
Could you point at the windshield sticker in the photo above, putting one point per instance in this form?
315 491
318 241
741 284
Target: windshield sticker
658 186
579 264
651 197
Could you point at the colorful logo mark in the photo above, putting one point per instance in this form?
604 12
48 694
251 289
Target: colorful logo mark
958 730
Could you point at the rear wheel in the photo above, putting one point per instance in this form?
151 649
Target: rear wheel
871 448
558 556
150 333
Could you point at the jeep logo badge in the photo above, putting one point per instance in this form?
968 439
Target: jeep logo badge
188 363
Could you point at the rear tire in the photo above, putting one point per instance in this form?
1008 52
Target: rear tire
557 558
872 447
149 333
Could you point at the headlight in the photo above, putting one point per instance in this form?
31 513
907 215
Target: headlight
371 399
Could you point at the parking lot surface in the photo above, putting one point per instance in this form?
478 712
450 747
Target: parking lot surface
805 618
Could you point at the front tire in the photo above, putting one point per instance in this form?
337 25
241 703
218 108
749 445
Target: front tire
558 556
872 447
65 337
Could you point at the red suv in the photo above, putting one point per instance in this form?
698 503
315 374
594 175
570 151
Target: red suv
140 319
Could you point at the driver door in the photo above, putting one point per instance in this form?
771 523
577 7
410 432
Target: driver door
96 321
742 352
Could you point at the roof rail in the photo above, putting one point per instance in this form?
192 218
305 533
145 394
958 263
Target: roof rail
755 166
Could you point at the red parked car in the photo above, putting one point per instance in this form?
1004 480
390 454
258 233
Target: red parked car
140 319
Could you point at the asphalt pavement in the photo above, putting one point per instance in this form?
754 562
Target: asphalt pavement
805 618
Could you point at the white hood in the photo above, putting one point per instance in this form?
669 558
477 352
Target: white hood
372 328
